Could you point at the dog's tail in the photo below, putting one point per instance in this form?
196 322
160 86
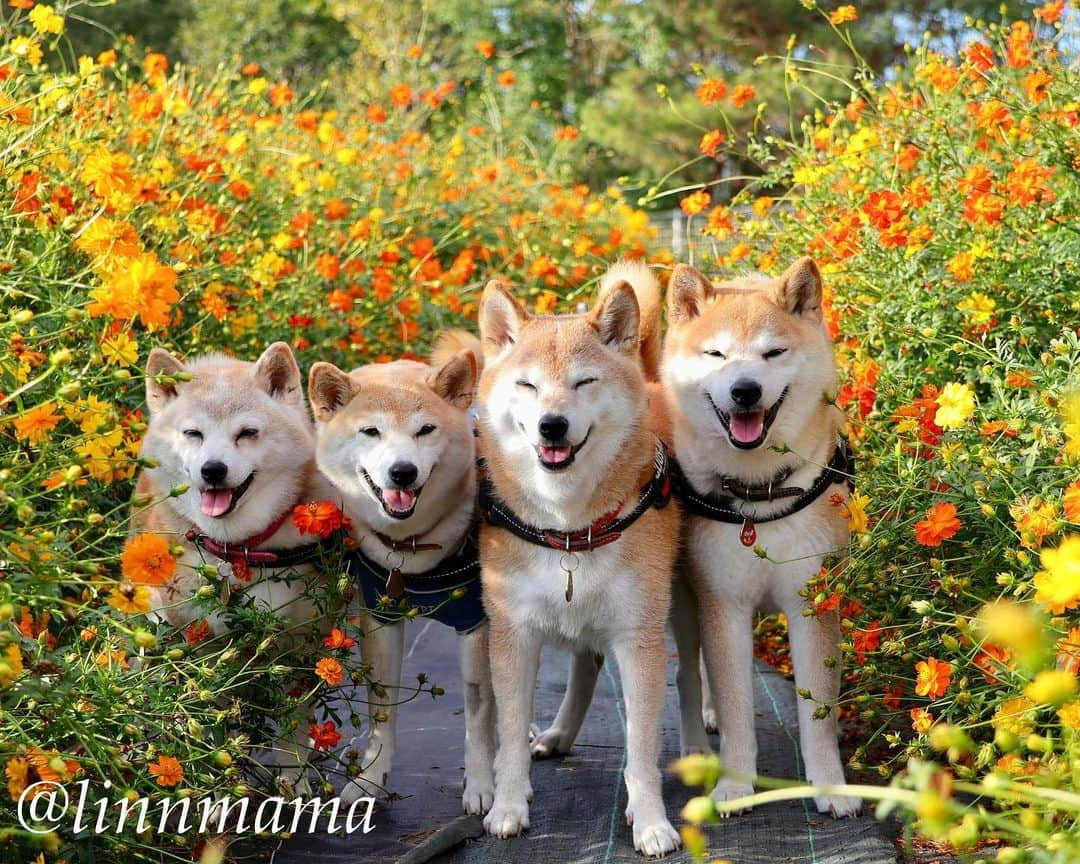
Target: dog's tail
451 342
649 298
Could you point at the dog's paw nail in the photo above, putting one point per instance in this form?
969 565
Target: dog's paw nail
656 839
839 806
505 820
550 742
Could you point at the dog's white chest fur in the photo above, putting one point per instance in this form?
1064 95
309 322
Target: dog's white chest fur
603 595
796 547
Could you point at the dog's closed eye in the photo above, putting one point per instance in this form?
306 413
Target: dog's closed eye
527 385
193 434
775 352
583 382
370 431
426 429
715 353
247 432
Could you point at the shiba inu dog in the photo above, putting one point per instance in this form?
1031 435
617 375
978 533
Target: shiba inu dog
579 540
749 371
238 435
397 442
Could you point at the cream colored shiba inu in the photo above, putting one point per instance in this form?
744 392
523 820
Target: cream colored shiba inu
397 442
579 541
749 371
239 437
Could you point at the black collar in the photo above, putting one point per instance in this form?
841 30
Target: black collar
607 529
451 572
723 507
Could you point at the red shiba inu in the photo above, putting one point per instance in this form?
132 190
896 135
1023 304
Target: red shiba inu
579 541
749 372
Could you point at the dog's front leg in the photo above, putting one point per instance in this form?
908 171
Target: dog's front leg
515 659
728 639
383 647
687 631
813 639
559 737
479 721
642 659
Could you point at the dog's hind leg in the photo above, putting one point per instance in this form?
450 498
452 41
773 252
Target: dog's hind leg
813 639
479 721
559 737
642 659
383 647
687 631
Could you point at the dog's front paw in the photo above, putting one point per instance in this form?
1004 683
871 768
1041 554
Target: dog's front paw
366 785
840 806
507 819
553 741
479 793
727 789
655 838
708 717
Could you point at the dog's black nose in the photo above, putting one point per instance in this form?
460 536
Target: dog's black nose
214 472
745 393
554 427
403 474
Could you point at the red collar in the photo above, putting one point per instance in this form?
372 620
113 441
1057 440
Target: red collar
244 551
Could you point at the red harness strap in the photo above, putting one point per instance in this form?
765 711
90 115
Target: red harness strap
244 553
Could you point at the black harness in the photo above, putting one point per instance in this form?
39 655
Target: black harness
722 507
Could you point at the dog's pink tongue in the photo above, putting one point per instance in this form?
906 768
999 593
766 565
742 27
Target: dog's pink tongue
399 499
554 455
746 427
216 501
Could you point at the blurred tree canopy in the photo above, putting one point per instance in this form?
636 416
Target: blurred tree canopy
593 64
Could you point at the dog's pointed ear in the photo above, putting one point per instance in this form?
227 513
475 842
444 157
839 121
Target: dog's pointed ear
687 291
276 372
617 319
455 380
800 289
501 317
329 390
160 393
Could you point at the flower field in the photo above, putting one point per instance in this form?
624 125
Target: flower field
942 205
143 204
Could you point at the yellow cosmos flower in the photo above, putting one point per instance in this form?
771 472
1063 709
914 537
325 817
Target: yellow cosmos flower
1057 586
131 599
1052 687
858 522
956 404
11 665
46 21
1069 715
1014 715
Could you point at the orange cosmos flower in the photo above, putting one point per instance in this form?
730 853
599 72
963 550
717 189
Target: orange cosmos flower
741 94
695 202
145 288
921 720
326 736
318 517
1070 501
330 671
939 525
711 141
35 425
843 15
711 91
1050 12
376 113
983 209
337 639
167 770
1068 648
1035 85
401 95
566 133
991 660
1018 45
883 208
328 266
486 48
21 4
1026 183
932 678
155 66
414 52
980 55
197 631
507 78
146 560
250 69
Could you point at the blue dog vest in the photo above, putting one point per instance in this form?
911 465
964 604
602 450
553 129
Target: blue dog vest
449 593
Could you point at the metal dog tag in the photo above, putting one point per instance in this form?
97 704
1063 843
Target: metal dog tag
395 583
569 585
748 535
